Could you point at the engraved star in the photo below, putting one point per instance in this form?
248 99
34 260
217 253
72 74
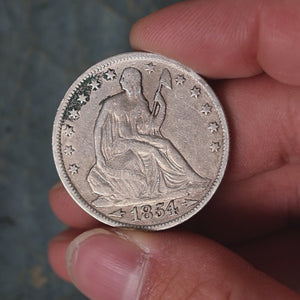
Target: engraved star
110 74
74 114
73 169
215 147
180 79
69 130
69 150
81 99
94 84
150 68
206 109
195 92
213 127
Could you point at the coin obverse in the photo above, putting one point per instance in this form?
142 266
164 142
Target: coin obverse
139 140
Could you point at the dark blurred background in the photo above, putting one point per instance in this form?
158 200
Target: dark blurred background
44 46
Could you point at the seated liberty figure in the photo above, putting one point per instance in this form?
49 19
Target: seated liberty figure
134 162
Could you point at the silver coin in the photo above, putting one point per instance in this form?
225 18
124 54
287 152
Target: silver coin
141 141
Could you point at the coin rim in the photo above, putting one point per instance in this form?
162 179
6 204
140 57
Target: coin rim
58 157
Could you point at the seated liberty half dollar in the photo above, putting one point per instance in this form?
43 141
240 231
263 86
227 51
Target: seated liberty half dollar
141 141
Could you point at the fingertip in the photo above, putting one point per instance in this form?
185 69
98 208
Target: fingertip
57 251
104 265
226 39
204 35
279 40
130 264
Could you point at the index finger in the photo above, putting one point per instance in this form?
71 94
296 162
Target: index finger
227 39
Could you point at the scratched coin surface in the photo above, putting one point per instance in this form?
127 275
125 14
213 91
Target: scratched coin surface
141 141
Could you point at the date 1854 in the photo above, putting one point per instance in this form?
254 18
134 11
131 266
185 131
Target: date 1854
157 210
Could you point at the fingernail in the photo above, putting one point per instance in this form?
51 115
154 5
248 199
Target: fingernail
105 265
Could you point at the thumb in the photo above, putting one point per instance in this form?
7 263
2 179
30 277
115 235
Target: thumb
126 264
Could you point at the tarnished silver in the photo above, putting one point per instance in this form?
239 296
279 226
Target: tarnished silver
141 141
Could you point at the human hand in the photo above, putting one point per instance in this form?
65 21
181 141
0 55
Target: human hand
252 49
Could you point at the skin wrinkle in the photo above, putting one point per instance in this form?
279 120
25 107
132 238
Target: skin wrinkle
256 14
259 24
254 33
199 291
278 28
241 34
197 287
281 164
273 206
179 280
289 181
288 151
291 131
168 286
288 125
224 91
172 273
208 14
196 293
288 178
224 285
175 272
